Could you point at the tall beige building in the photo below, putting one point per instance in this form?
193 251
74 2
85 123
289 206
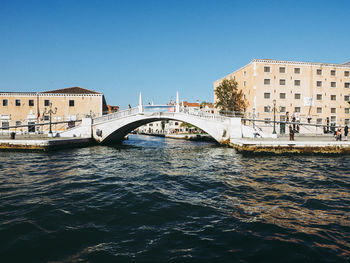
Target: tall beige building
28 108
319 91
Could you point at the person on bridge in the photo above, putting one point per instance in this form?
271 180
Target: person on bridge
346 132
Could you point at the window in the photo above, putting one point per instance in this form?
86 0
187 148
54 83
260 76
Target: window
5 102
319 83
266 95
5 125
282 82
267 109
346 73
297 70
346 121
297 96
46 118
18 102
31 126
333 110
333 84
347 110
319 97
332 72
297 82
18 123
267 81
333 97
346 97
347 85
71 103
333 119
266 69
31 103
282 95
46 103
176 123
319 120
282 109
267 120
319 110
244 73
297 109
282 70
319 72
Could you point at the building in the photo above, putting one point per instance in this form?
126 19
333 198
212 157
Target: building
171 126
29 108
319 91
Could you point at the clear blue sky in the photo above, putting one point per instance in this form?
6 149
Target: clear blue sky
158 47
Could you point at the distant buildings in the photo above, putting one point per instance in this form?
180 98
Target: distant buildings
171 126
29 108
319 91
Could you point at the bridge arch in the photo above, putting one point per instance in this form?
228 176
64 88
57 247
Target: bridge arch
115 130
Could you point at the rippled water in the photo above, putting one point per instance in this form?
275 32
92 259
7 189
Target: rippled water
161 200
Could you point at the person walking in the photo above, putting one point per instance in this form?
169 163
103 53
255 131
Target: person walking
308 119
339 133
294 119
291 133
346 132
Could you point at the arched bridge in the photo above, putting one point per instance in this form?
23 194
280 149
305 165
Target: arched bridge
113 127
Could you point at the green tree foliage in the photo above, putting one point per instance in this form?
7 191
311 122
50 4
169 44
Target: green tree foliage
203 104
229 98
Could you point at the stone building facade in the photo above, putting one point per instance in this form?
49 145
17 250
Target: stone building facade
28 108
316 91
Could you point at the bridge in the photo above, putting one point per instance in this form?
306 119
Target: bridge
114 127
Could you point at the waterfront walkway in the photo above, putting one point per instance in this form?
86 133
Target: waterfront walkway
40 142
324 144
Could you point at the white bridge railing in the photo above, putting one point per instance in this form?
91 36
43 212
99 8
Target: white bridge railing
160 109
116 115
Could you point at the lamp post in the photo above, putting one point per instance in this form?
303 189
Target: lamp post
274 117
50 112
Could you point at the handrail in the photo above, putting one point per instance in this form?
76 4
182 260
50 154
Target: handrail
164 109
116 115
36 124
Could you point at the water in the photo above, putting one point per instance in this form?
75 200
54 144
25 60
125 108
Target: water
160 200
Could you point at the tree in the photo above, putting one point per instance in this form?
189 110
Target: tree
203 104
228 97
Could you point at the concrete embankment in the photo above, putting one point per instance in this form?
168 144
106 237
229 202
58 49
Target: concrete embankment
304 146
43 144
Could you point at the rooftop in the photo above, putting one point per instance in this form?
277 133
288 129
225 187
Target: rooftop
72 90
189 104
346 64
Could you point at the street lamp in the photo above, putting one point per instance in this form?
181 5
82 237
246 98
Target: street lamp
274 117
50 112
